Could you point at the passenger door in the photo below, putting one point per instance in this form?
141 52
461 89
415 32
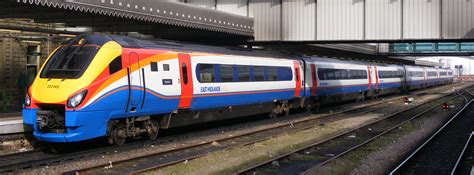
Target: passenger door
135 84
186 80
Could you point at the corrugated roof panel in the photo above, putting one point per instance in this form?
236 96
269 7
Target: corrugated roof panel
340 19
383 19
421 19
267 16
458 19
238 7
211 4
299 20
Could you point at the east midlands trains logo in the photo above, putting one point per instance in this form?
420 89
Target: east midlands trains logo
211 89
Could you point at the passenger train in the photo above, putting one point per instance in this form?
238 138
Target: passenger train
121 88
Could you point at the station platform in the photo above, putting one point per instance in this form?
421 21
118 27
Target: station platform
11 123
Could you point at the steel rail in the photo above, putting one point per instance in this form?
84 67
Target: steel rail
395 170
345 133
461 155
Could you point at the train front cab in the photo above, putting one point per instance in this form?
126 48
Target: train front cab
54 104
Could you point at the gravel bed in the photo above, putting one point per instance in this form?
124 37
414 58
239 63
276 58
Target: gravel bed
380 155
223 162
380 161
439 156
10 144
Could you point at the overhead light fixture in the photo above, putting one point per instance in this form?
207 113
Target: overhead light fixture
67 35
31 42
10 30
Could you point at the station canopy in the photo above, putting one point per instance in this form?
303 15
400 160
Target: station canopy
169 20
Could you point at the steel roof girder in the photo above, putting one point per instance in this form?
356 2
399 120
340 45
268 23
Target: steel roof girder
154 11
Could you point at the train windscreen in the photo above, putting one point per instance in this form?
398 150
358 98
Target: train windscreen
70 61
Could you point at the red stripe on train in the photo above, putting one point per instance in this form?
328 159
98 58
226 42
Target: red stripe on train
315 80
297 79
370 77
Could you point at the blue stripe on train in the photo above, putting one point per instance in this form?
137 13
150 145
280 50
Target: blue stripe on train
340 89
389 85
210 101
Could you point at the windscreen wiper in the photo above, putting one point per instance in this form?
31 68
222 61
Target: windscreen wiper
63 53
73 53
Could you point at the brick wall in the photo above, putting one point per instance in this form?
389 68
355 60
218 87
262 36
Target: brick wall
13 59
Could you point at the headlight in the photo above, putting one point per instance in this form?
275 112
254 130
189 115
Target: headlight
76 100
27 100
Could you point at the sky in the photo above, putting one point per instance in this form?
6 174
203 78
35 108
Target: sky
467 62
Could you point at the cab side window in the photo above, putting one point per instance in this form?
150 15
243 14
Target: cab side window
115 65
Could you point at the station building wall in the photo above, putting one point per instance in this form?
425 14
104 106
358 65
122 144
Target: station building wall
21 56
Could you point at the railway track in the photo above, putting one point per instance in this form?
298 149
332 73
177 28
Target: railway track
38 158
465 160
160 160
308 159
442 151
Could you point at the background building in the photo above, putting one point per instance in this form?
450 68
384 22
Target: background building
21 55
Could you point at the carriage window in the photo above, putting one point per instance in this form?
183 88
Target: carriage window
115 65
341 74
362 74
271 74
331 74
185 73
259 73
227 73
284 74
389 74
416 74
166 67
244 73
206 73
154 66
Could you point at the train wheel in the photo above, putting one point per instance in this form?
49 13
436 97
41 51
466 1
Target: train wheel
119 134
152 128
273 115
309 108
286 110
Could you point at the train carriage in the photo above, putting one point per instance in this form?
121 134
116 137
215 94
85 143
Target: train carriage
415 77
445 76
390 79
332 80
432 76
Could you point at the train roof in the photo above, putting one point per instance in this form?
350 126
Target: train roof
337 60
132 42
